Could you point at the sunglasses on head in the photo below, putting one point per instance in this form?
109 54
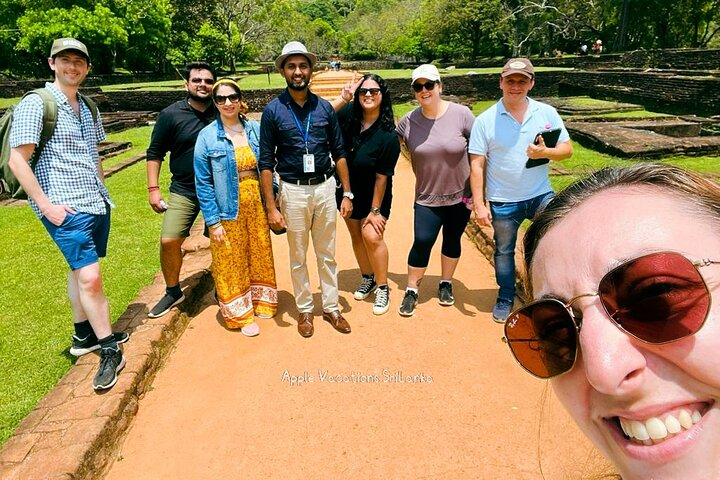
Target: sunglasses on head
429 85
206 81
364 91
657 298
222 99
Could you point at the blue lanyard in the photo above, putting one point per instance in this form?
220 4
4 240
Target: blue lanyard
306 135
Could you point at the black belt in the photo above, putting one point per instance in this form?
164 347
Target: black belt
310 181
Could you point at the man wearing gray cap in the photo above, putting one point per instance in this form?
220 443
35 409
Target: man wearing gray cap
300 139
509 157
67 192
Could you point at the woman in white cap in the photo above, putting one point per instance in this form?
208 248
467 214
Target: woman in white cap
228 189
436 134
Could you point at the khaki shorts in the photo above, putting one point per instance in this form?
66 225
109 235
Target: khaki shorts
179 217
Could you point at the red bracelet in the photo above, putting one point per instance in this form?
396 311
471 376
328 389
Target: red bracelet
152 189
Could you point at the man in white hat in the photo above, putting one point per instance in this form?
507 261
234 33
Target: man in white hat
300 139
509 168
67 192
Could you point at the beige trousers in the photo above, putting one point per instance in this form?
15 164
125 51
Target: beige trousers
310 211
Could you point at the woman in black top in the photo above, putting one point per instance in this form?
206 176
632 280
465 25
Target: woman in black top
372 149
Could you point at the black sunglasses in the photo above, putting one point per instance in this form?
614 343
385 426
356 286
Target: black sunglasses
372 91
206 81
429 85
222 99
657 298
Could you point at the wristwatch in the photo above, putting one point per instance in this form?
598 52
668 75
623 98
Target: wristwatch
348 195
375 210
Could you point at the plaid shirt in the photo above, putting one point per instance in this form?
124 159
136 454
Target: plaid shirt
67 169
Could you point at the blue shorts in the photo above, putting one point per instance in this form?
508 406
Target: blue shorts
82 237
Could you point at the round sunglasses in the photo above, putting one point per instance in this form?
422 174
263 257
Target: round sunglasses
657 298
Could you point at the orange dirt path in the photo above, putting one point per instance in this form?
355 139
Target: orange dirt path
223 407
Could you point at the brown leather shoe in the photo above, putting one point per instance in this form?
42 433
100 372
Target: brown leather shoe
305 325
337 321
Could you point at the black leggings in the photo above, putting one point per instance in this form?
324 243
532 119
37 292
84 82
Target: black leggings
428 221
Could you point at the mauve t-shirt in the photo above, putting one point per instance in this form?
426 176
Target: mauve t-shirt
439 157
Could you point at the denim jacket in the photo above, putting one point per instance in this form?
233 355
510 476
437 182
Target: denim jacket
216 175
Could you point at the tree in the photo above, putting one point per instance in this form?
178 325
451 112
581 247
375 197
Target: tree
99 29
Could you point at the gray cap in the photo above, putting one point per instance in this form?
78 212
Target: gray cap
295 48
62 44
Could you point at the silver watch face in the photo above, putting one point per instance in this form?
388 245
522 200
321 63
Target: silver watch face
348 195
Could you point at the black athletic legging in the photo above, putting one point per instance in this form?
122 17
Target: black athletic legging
428 221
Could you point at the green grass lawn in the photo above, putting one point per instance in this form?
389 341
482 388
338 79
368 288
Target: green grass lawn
35 319
139 137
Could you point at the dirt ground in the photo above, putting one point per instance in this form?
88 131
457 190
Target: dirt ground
434 396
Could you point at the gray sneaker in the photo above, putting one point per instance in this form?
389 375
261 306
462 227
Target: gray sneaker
165 304
407 309
501 310
111 362
445 294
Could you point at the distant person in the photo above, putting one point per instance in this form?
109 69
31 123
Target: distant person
436 134
300 139
624 273
67 192
373 148
228 189
597 46
583 49
175 131
504 137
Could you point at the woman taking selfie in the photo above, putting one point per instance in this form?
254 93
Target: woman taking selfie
436 134
228 189
624 267
372 149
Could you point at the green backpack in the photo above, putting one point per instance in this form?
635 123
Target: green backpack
9 184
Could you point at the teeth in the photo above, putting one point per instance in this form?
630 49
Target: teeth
672 424
654 430
696 416
639 431
685 419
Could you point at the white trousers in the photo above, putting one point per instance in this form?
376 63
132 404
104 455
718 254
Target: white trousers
310 210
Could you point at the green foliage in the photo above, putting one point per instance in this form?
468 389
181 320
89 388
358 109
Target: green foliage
99 29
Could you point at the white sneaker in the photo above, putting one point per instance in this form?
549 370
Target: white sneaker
382 302
251 330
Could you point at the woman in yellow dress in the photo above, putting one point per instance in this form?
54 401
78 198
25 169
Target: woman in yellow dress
228 189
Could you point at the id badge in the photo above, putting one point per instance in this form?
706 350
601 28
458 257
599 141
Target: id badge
309 163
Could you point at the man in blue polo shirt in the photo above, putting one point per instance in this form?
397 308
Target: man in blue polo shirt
300 139
67 192
503 140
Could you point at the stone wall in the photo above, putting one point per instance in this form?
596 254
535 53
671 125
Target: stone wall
674 59
156 101
655 91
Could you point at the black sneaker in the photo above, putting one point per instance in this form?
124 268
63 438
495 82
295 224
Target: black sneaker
366 287
382 302
111 362
165 304
82 346
445 295
407 309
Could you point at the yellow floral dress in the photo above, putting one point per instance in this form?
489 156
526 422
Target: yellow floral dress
243 266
